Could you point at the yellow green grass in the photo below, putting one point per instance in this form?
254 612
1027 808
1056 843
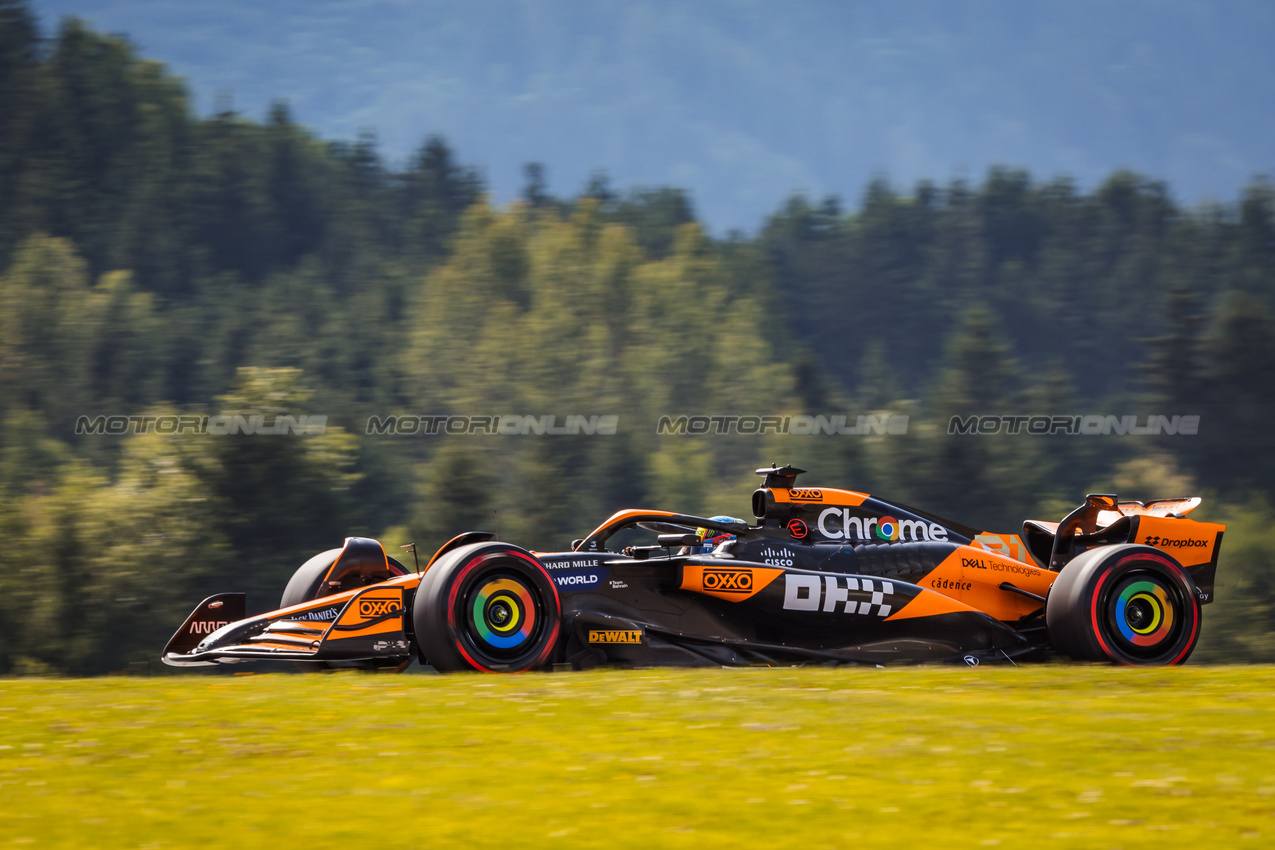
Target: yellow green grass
1046 756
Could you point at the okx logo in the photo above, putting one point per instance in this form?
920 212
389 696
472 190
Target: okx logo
830 594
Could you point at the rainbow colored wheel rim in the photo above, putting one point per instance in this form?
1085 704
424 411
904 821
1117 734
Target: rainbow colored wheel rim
503 613
1144 612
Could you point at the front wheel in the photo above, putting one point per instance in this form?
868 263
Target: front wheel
360 562
1129 604
489 607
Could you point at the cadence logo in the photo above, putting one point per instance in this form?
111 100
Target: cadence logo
728 581
886 529
615 636
377 607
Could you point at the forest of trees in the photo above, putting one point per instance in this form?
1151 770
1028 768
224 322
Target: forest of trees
156 262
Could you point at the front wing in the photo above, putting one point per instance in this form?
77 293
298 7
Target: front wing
356 625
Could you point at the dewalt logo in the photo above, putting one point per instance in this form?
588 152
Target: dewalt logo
728 581
369 608
615 636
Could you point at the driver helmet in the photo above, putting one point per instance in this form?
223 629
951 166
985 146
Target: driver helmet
711 538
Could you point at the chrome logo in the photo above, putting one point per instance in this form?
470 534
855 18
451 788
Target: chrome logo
887 528
504 613
1144 613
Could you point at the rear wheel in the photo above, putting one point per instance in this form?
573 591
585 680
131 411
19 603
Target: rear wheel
489 607
1130 604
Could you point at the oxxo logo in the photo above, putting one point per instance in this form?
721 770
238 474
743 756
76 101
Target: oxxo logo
728 581
807 495
207 627
1166 543
886 529
377 607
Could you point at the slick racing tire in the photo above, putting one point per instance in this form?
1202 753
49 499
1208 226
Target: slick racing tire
1128 604
307 584
490 607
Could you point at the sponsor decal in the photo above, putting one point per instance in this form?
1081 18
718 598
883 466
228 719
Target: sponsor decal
971 660
571 565
1168 543
369 608
781 557
728 580
1020 569
207 627
806 495
734 584
824 593
390 645
615 636
950 584
617 585
319 614
798 529
838 524
578 581
1009 545
973 564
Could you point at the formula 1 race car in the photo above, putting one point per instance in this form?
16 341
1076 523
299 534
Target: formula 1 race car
824 576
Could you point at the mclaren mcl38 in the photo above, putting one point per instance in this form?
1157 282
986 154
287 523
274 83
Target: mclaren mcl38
823 576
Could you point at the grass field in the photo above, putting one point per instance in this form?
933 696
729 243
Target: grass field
1047 756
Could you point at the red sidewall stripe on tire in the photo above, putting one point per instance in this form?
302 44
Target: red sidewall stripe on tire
1093 607
455 591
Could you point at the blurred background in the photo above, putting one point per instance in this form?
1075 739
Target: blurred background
365 209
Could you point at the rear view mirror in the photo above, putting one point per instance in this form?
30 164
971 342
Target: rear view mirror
679 540
1097 500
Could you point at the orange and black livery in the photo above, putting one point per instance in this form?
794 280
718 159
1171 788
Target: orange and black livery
821 575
